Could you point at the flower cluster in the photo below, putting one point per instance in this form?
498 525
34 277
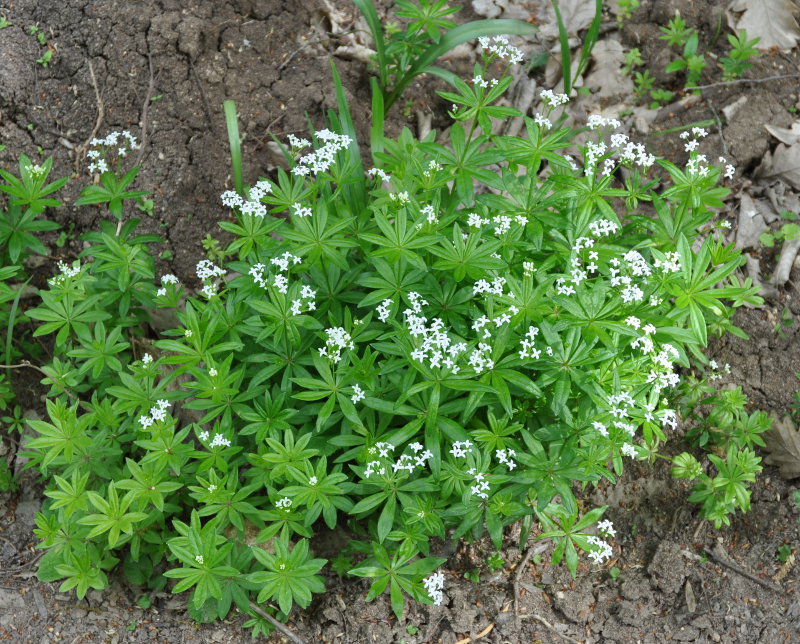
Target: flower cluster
460 449
218 439
338 339
206 270
158 412
66 271
603 550
113 140
322 158
434 585
480 486
251 206
281 282
167 279
498 46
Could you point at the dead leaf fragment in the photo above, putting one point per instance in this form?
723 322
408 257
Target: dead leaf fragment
606 78
783 164
783 444
770 20
787 136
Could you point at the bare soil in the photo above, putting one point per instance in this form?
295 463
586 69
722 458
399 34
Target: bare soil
166 67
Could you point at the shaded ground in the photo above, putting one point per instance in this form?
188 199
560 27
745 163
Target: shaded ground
181 62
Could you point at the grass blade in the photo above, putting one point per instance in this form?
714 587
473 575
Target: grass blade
367 9
357 183
590 41
566 58
235 141
451 39
12 318
376 133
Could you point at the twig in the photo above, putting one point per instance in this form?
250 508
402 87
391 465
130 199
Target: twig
719 555
27 564
143 123
483 633
30 365
552 629
101 110
743 80
719 127
202 94
262 613
518 574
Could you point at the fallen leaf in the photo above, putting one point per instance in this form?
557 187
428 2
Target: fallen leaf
783 444
784 164
770 20
751 223
605 79
505 9
788 136
576 14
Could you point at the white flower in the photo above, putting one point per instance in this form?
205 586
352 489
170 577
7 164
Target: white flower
358 394
434 585
606 527
147 359
199 559
219 439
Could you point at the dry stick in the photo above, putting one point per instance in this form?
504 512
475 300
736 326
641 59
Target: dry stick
202 94
143 123
720 556
719 127
552 629
743 80
262 613
27 564
520 569
483 633
101 110
25 363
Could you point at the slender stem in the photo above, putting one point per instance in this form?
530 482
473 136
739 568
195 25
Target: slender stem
55 380
264 614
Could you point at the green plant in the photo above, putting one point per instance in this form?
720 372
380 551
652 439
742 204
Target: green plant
784 552
786 320
785 233
633 58
495 562
614 573
625 9
642 83
445 344
738 59
4 22
691 62
44 59
112 187
676 33
660 97
401 56
473 575
721 424
145 206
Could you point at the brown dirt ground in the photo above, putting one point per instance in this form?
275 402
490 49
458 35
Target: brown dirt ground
271 57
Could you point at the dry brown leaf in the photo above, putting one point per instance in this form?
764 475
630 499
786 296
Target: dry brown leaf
787 136
783 164
770 20
783 444
606 78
